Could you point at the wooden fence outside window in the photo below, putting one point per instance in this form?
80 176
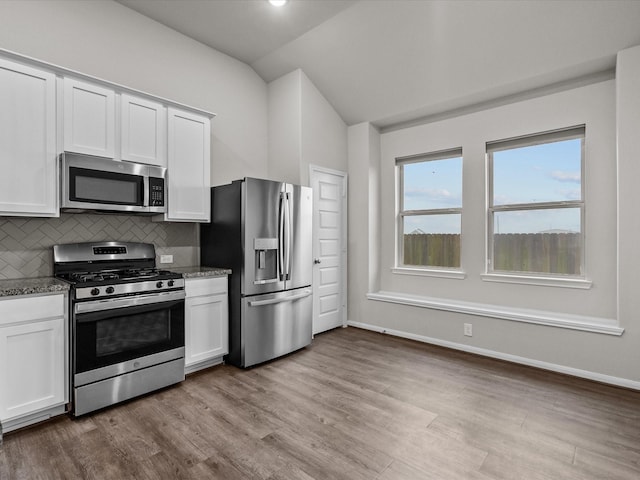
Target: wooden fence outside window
557 253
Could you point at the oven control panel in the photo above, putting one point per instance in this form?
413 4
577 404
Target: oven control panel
115 250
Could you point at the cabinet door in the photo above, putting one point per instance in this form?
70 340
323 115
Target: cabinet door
206 328
89 119
188 166
28 179
143 131
32 367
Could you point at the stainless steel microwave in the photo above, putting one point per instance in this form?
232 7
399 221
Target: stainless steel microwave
95 183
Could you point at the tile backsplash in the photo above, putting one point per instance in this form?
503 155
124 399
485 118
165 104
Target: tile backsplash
25 243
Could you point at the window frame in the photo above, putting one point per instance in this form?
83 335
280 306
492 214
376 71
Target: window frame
400 266
519 276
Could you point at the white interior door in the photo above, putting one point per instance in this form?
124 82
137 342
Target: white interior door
329 248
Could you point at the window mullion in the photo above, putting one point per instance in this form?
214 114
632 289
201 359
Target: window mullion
439 211
537 206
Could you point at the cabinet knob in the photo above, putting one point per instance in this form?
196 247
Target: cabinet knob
317 261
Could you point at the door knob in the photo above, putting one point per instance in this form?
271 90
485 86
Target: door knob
316 261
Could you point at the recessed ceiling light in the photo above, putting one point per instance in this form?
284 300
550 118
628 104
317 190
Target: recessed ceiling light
278 3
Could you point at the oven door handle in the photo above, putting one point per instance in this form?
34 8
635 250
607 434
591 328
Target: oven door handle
96 316
166 298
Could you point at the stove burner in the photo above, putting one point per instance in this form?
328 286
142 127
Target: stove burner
83 277
141 273
117 276
88 265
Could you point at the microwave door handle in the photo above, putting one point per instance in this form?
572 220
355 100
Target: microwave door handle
146 196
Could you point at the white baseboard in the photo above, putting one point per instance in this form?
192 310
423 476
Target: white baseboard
202 365
598 377
32 418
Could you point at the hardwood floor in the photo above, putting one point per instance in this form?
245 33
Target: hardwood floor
354 405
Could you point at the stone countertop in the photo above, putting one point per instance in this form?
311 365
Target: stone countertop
197 271
29 286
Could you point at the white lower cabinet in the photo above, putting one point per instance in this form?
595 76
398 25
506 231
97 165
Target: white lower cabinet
206 322
33 359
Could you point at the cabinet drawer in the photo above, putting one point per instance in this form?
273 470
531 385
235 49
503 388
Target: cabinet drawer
205 286
23 309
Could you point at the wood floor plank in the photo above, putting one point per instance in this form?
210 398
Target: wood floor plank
503 441
127 435
605 466
400 470
354 405
316 459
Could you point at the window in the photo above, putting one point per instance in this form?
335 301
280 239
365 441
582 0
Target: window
430 201
536 204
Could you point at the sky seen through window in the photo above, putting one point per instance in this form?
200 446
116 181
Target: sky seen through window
549 172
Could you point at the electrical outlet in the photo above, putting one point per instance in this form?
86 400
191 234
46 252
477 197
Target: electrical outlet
166 258
468 330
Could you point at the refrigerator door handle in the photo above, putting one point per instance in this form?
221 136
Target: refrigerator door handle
281 219
271 301
287 269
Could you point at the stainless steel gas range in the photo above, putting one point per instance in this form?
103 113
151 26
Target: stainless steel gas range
127 322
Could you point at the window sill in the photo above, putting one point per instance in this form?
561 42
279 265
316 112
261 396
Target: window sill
430 272
540 281
540 317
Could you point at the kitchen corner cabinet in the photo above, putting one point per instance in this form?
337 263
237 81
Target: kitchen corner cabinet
89 118
33 359
206 322
188 166
28 183
143 131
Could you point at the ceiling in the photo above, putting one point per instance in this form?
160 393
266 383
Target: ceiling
244 29
394 61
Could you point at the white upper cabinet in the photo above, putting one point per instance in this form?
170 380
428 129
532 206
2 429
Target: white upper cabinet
28 174
143 131
89 118
188 164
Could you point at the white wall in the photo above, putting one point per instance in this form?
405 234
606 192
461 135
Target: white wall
285 124
594 355
110 41
363 213
324 133
628 137
304 129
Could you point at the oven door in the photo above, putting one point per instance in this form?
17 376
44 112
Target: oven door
115 336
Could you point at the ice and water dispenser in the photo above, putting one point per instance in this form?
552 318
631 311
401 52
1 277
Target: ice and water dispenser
266 260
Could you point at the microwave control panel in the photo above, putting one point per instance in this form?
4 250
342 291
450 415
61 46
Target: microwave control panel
156 192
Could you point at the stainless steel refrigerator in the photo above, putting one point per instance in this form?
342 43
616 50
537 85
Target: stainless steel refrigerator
261 229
